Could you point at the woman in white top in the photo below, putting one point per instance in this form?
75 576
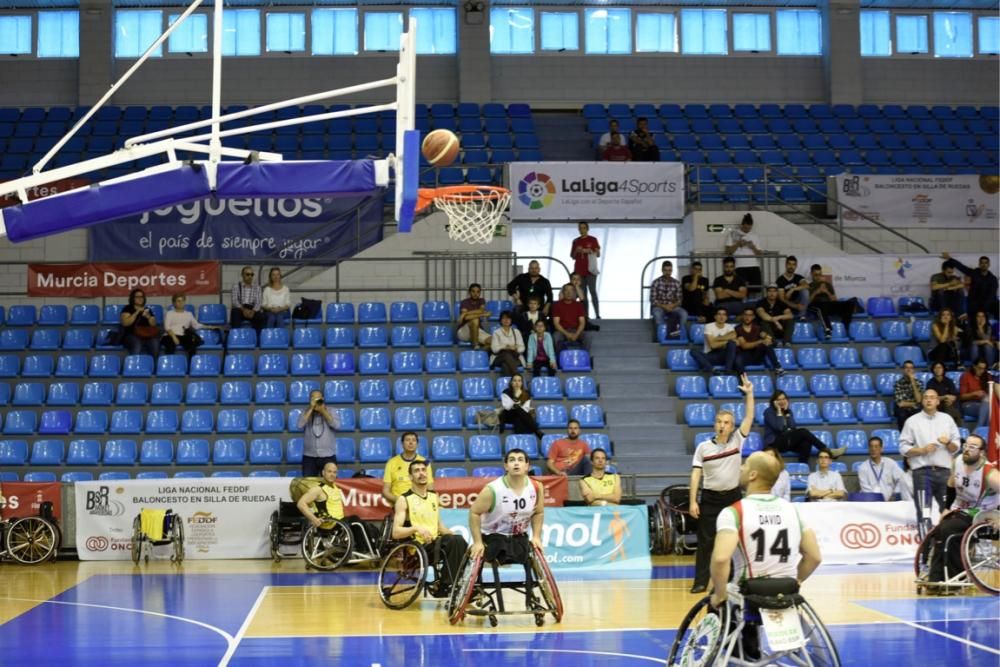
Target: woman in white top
507 345
276 300
179 327
783 485
517 410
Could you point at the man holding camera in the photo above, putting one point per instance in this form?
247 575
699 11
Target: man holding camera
319 427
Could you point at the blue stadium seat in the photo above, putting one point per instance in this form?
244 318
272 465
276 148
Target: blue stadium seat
855 440
375 337
845 357
681 360
484 448
762 385
138 365
526 441
873 412
345 450
806 412
235 392
229 451
895 331
371 363
922 331
405 336
347 420
407 390
83 452
487 471
864 331
450 472
13 452
197 421
724 386
549 388
825 384
373 391
120 452
799 474
445 418
125 421
838 412
20 422
293 451
76 476
375 419
201 392
172 365
803 333
858 384
437 336
151 474
477 389
589 415
268 420
551 416
85 315
440 361
206 365
699 414
43 339
189 474
213 314
53 316
21 316
274 339
307 338
55 422
442 390
305 364
67 365
885 383
158 452
163 393
39 365
45 453
404 311
881 306
448 448
340 337
270 392
372 313
340 313
473 361
39 477
28 394
407 363
436 311
112 314
574 360
271 365
890 440
912 353
78 339
100 393
877 357
813 358
242 339
374 450
232 420
9 365
753 443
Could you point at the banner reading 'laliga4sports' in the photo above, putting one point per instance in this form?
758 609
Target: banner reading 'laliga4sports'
921 200
597 190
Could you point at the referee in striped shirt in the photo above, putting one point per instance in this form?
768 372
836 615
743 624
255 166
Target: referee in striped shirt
717 464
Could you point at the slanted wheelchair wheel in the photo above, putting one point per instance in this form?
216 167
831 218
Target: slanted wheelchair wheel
137 540
981 556
922 560
700 636
31 540
819 646
547 584
463 588
327 547
177 538
274 536
401 577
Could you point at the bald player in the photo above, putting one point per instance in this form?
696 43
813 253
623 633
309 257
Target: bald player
767 530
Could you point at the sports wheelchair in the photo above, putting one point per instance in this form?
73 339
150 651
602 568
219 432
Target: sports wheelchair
763 622
980 552
673 528
471 595
30 540
406 573
145 535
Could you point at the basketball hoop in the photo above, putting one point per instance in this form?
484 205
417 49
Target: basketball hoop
473 210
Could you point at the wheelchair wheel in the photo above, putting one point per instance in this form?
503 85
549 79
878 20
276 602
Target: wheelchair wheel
31 540
327 548
274 536
547 584
922 560
657 529
401 577
177 539
137 540
981 556
463 588
700 636
819 646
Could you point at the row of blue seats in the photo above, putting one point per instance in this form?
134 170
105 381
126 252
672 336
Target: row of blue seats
815 358
274 420
828 162
807 413
791 111
706 127
860 331
457 176
270 364
820 385
75 476
758 193
276 392
270 451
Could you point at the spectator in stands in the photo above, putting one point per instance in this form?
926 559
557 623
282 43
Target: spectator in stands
472 315
641 143
944 340
776 318
541 351
982 287
929 441
526 320
515 402
139 330
877 474
755 347
974 392
615 151
744 245
396 478
568 320
823 302
730 289
781 432
720 346
580 295
695 299
981 341
319 442
946 391
585 251
180 326
600 487
531 284
568 456
783 485
605 139
276 301
824 484
507 345
793 289
665 302
947 289
907 394
246 302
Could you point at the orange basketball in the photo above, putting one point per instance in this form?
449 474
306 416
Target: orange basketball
440 147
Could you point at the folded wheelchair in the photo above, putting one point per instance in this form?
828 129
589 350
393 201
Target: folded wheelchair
763 622
157 528
979 547
675 530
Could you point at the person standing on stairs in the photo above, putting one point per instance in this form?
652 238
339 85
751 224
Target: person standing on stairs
585 252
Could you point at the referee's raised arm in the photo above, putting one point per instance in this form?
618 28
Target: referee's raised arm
747 388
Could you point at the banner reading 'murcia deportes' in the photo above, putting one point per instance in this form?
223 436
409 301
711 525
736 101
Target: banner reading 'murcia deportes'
243 229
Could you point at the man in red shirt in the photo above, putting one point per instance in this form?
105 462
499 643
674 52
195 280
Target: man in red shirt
568 320
571 455
584 247
973 392
615 152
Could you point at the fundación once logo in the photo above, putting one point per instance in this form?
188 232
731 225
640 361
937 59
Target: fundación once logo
860 536
536 190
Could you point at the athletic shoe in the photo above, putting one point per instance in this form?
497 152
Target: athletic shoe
838 452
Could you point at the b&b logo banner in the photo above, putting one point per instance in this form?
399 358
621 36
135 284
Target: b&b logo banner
921 200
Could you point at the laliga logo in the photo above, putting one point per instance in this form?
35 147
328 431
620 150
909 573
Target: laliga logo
860 536
536 190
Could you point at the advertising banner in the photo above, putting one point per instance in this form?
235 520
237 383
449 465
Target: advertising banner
47 190
851 533
585 538
596 190
117 280
921 200
243 229
21 499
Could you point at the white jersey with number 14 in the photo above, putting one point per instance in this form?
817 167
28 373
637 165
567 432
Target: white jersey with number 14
770 533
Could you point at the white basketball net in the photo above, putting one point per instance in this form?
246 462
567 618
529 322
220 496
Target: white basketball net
473 216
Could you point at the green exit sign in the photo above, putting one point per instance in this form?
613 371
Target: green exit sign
715 227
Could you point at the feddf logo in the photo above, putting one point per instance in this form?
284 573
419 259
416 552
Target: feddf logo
536 190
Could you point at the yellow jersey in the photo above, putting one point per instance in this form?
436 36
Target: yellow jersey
603 486
333 507
397 474
422 512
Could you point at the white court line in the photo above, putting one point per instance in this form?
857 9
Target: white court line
962 640
243 628
559 650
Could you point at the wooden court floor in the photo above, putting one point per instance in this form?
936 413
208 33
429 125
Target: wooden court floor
259 613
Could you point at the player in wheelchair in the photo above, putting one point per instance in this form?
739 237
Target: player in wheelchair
962 549
498 521
422 540
759 618
331 540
